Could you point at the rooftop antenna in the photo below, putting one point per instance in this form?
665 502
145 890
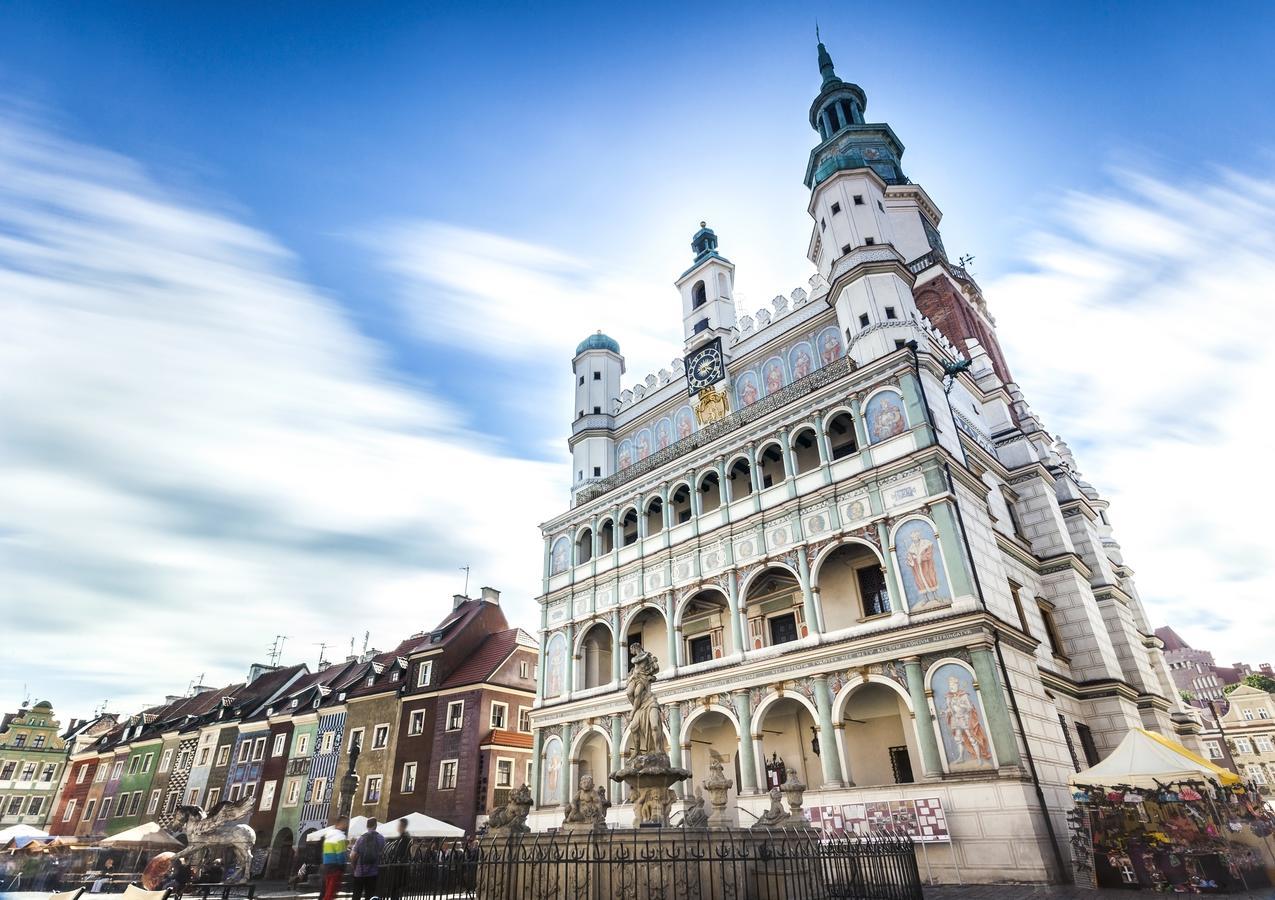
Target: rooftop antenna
276 648
323 646
366 637
465 569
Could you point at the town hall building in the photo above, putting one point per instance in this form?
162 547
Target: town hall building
859 556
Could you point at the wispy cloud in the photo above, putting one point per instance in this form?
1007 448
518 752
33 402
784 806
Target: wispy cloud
198 451
1140 332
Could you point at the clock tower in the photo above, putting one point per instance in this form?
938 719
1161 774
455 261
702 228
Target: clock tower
707 288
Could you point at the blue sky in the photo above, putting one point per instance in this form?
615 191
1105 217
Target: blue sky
422 210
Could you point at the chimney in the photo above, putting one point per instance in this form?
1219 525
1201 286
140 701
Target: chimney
457 600
491 595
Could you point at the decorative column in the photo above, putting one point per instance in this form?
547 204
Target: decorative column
807 595
673 643
617 649
665 513
993 694
593 546
891 582
953 547
860 432
675 742
617 532
567 786
724 488
737 630
548 562
571 659
931 762
537 745
641 517
829 753
790 466
541 666
617 738
695 502
915 402
821 441
747 761
753 474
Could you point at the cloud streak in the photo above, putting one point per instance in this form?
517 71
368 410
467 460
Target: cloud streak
1139 330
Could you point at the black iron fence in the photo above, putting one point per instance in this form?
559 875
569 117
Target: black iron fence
662 864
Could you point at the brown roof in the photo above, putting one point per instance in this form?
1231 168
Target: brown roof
484 661
504 738
1171 639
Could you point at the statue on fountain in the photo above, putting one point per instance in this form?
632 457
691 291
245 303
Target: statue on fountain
589 808
512 817
648 771
225 825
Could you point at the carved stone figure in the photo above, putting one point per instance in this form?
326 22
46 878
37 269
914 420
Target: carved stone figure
717 785
793 790
775 817
589 806
648 728
695 815
224 826
512 817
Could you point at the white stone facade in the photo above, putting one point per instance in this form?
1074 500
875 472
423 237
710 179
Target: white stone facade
878 570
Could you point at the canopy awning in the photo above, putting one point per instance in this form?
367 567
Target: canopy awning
419 825
148 834
13 832
1144 759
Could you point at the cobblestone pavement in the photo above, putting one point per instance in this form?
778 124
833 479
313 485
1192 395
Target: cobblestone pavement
1046 892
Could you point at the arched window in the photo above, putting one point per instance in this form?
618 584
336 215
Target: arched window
771 466
654 516
606 537
711 493
805 448
629 528
841 439
584 546
741 479
680 504
699 295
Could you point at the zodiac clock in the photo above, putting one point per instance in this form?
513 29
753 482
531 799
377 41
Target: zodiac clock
704 366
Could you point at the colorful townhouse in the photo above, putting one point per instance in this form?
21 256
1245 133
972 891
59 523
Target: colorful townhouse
32 757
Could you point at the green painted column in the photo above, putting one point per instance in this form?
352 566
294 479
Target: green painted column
548 563
829 754
672 632
724 490
617 738
571 659
891 582
537 743
993 694
915 402
931 762
747 761
753 475
860 431
821 441
736 620
541 666
807 595
617 649
675 742
953 548
790 463
568 735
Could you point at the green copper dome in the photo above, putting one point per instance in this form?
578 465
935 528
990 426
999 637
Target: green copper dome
598 341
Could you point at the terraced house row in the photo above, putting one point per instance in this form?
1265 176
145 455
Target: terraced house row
440 724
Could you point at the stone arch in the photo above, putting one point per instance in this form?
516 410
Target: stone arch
877 731
707 626
839 430
772 463
785 725
594 654
653 637
712 728
681 507
913 598
591 755
849 575
804 444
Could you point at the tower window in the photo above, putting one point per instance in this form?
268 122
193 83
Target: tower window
823 224
858 199
699 295
836 208
846 249
863 320
880 206
597 376
870 241
597 471
898 343
890 313
597 410
701 325
582 379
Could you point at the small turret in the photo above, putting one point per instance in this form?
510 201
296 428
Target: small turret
707 288
597 367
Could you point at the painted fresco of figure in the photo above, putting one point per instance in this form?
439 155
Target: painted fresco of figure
643 444
774 376
663 433
801 360
964 737
553 771
685 422
885 417
829 346
556 667
560 558
920 556
624 455
748 389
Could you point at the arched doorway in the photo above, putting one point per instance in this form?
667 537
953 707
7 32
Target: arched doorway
789 741
707 733
649 631
595 657
280 865
705 626
880 742
772 603
851 586
593 758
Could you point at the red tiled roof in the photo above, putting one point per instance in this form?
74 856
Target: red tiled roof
509 739
1171 639
484 661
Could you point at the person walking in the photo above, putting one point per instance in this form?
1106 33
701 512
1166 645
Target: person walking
398 853
368 850
335 854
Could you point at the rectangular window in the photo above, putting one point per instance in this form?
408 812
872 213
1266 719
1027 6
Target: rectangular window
37 803
373 792
245 750
504 773
318 790
292 792
1243 746
524 719
327 742
528 773
135 804
701 649
193 798
136 763
6 770
380 737
153 805
416 722
783 629
170 805
223 756
869 241
876 600
27 773
166 761
258 749
836 208
1212 749
146 762
499 714
47 774
276 749
100 775
15 806
597 472
1248 714
303 744
1051 630
80 775
597 376
858 199
891 312
19 740
267 796
88 810
409 777
447 775
234 793
1263 744
455 715
203 755
250 789
423 672
1015 591
214 797
356 739
863 320
106 808
70 810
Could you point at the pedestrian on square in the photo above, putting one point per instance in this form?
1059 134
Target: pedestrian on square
368 850
398 853
335 855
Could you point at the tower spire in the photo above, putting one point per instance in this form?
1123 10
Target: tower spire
825 63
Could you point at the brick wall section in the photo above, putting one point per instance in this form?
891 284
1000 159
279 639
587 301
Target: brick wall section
943 304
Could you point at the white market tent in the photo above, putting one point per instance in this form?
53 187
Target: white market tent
419 825
13 832
1144 759
148 834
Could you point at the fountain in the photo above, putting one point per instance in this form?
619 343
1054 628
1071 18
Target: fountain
647 772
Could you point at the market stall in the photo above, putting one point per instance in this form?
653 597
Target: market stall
1155 816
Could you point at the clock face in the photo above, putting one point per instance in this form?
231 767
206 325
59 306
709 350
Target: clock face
704 366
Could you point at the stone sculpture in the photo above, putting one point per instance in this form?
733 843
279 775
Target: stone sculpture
717 785
775 817
695 815
648 772
225 825
512 817
589 808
